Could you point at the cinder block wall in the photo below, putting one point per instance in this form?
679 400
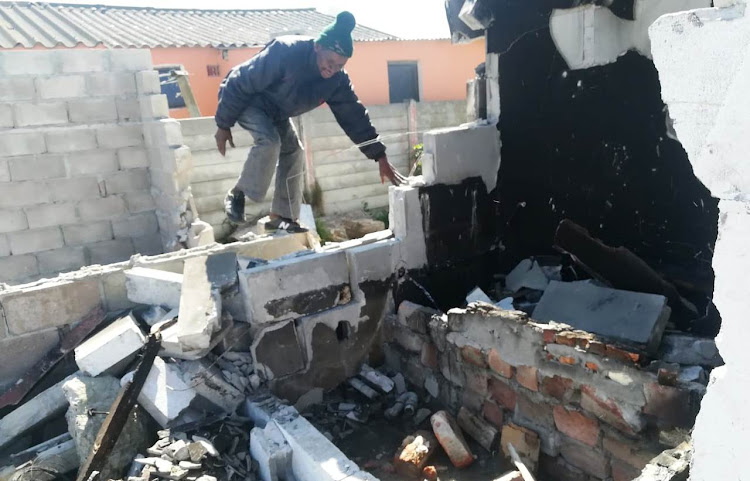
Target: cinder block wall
74 177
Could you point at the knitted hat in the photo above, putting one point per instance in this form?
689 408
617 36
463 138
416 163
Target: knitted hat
338 35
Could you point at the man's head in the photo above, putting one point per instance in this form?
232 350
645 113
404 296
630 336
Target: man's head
334 45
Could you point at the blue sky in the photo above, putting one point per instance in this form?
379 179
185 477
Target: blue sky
404 18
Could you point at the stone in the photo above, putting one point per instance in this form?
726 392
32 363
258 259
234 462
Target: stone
584 458
690 350
451 439
482 432
200 306
361 227
525 442
153 287
632 318
576 425
277 351
414 453
190 465
527 377
415 316
527 274
502 393
207 445
85 394
207 381
499 366
115 345
197 452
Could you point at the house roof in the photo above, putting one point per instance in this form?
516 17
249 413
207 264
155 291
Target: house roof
28 24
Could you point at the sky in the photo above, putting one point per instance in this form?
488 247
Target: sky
403 18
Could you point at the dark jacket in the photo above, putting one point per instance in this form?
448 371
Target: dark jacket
283 80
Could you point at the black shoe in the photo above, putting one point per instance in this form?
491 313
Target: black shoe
282 223
234 206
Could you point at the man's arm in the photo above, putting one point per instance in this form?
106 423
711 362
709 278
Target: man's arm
352 116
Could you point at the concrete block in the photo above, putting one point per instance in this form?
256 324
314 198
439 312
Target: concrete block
162 133
21 143
93 110
110 252
12 220
294 287
118 136
372 262
61 260
72 189
115 345
128 109
148 245
132 158
630 317
70 140
36 411
16 89
6 116
36 114
111 83
92 163
200 306
457 153
273 454
4 246
277 352
405 220
209 384
139 202
201 234
37 240
83 61
130 60
138 225
4 171
101 209
451 439
20 353
154 107
15 269
38 62
686 349
114 291
164 395
133 180
221 269
38 167
147 82
49 305
154 287
47 215
88 233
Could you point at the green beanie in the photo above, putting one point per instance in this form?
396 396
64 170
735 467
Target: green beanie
338 35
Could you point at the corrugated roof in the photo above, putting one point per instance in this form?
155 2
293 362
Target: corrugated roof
28 24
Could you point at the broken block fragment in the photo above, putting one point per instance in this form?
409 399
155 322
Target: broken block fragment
413 454
164 395
113 346
273 454
200 306
153 287
209 384
451 439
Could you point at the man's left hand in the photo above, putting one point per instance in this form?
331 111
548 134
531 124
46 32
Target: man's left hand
388 171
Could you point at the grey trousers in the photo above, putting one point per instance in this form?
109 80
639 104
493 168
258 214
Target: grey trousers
277 148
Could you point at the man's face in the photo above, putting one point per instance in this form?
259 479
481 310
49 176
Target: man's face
329 62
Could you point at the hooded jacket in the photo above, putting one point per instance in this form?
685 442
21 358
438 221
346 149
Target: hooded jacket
283 80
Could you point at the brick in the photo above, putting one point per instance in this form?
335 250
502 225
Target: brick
4 245
154 107
623 472
502 393
70 140
609 411
37 240
127 181
93 110
493 414
110 252
47 215
61 260
83 61
4 171
628 453
101 209
139 202
17 268
25 351
527 377
584 458
15 89
6 116
136 226
538 413
132 158
149 245
92 162
50 305
525 441
558 387
429 355
450 438
672 407
128 109
118 136
591 366
61 87
37 114
38 62
110 83
130 60
88 233
576 425
567 360
36 168
499 366
12 220
22 143
474 356
73 189
147 82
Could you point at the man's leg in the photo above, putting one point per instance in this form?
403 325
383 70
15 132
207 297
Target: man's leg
259 167
287 196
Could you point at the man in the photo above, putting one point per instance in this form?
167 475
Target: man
291 76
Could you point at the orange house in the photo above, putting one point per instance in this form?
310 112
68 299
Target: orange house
208 43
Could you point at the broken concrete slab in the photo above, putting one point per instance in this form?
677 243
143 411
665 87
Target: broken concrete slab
164 395
273 454
60 459
200 306
277 351
33 413
629 317
528 273
153 287
209 383
690 350
112 347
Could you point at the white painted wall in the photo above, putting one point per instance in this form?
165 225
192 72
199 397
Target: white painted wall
703 58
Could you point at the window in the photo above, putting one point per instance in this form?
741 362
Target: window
403 81
169 86
213 71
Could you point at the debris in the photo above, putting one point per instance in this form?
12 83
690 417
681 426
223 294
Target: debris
451 439
525 442
209 383
506 304
482 432
407 402
478 295
153 287
269 448
49 464
400 383
413 454
430 473
693 374
519 464
210 449
33 413
200 234
48 444
383 382
690 350
361 227
527 274
630 317
200 306
363 388
115 345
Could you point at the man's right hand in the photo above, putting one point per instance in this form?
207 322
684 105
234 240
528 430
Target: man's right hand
222 137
